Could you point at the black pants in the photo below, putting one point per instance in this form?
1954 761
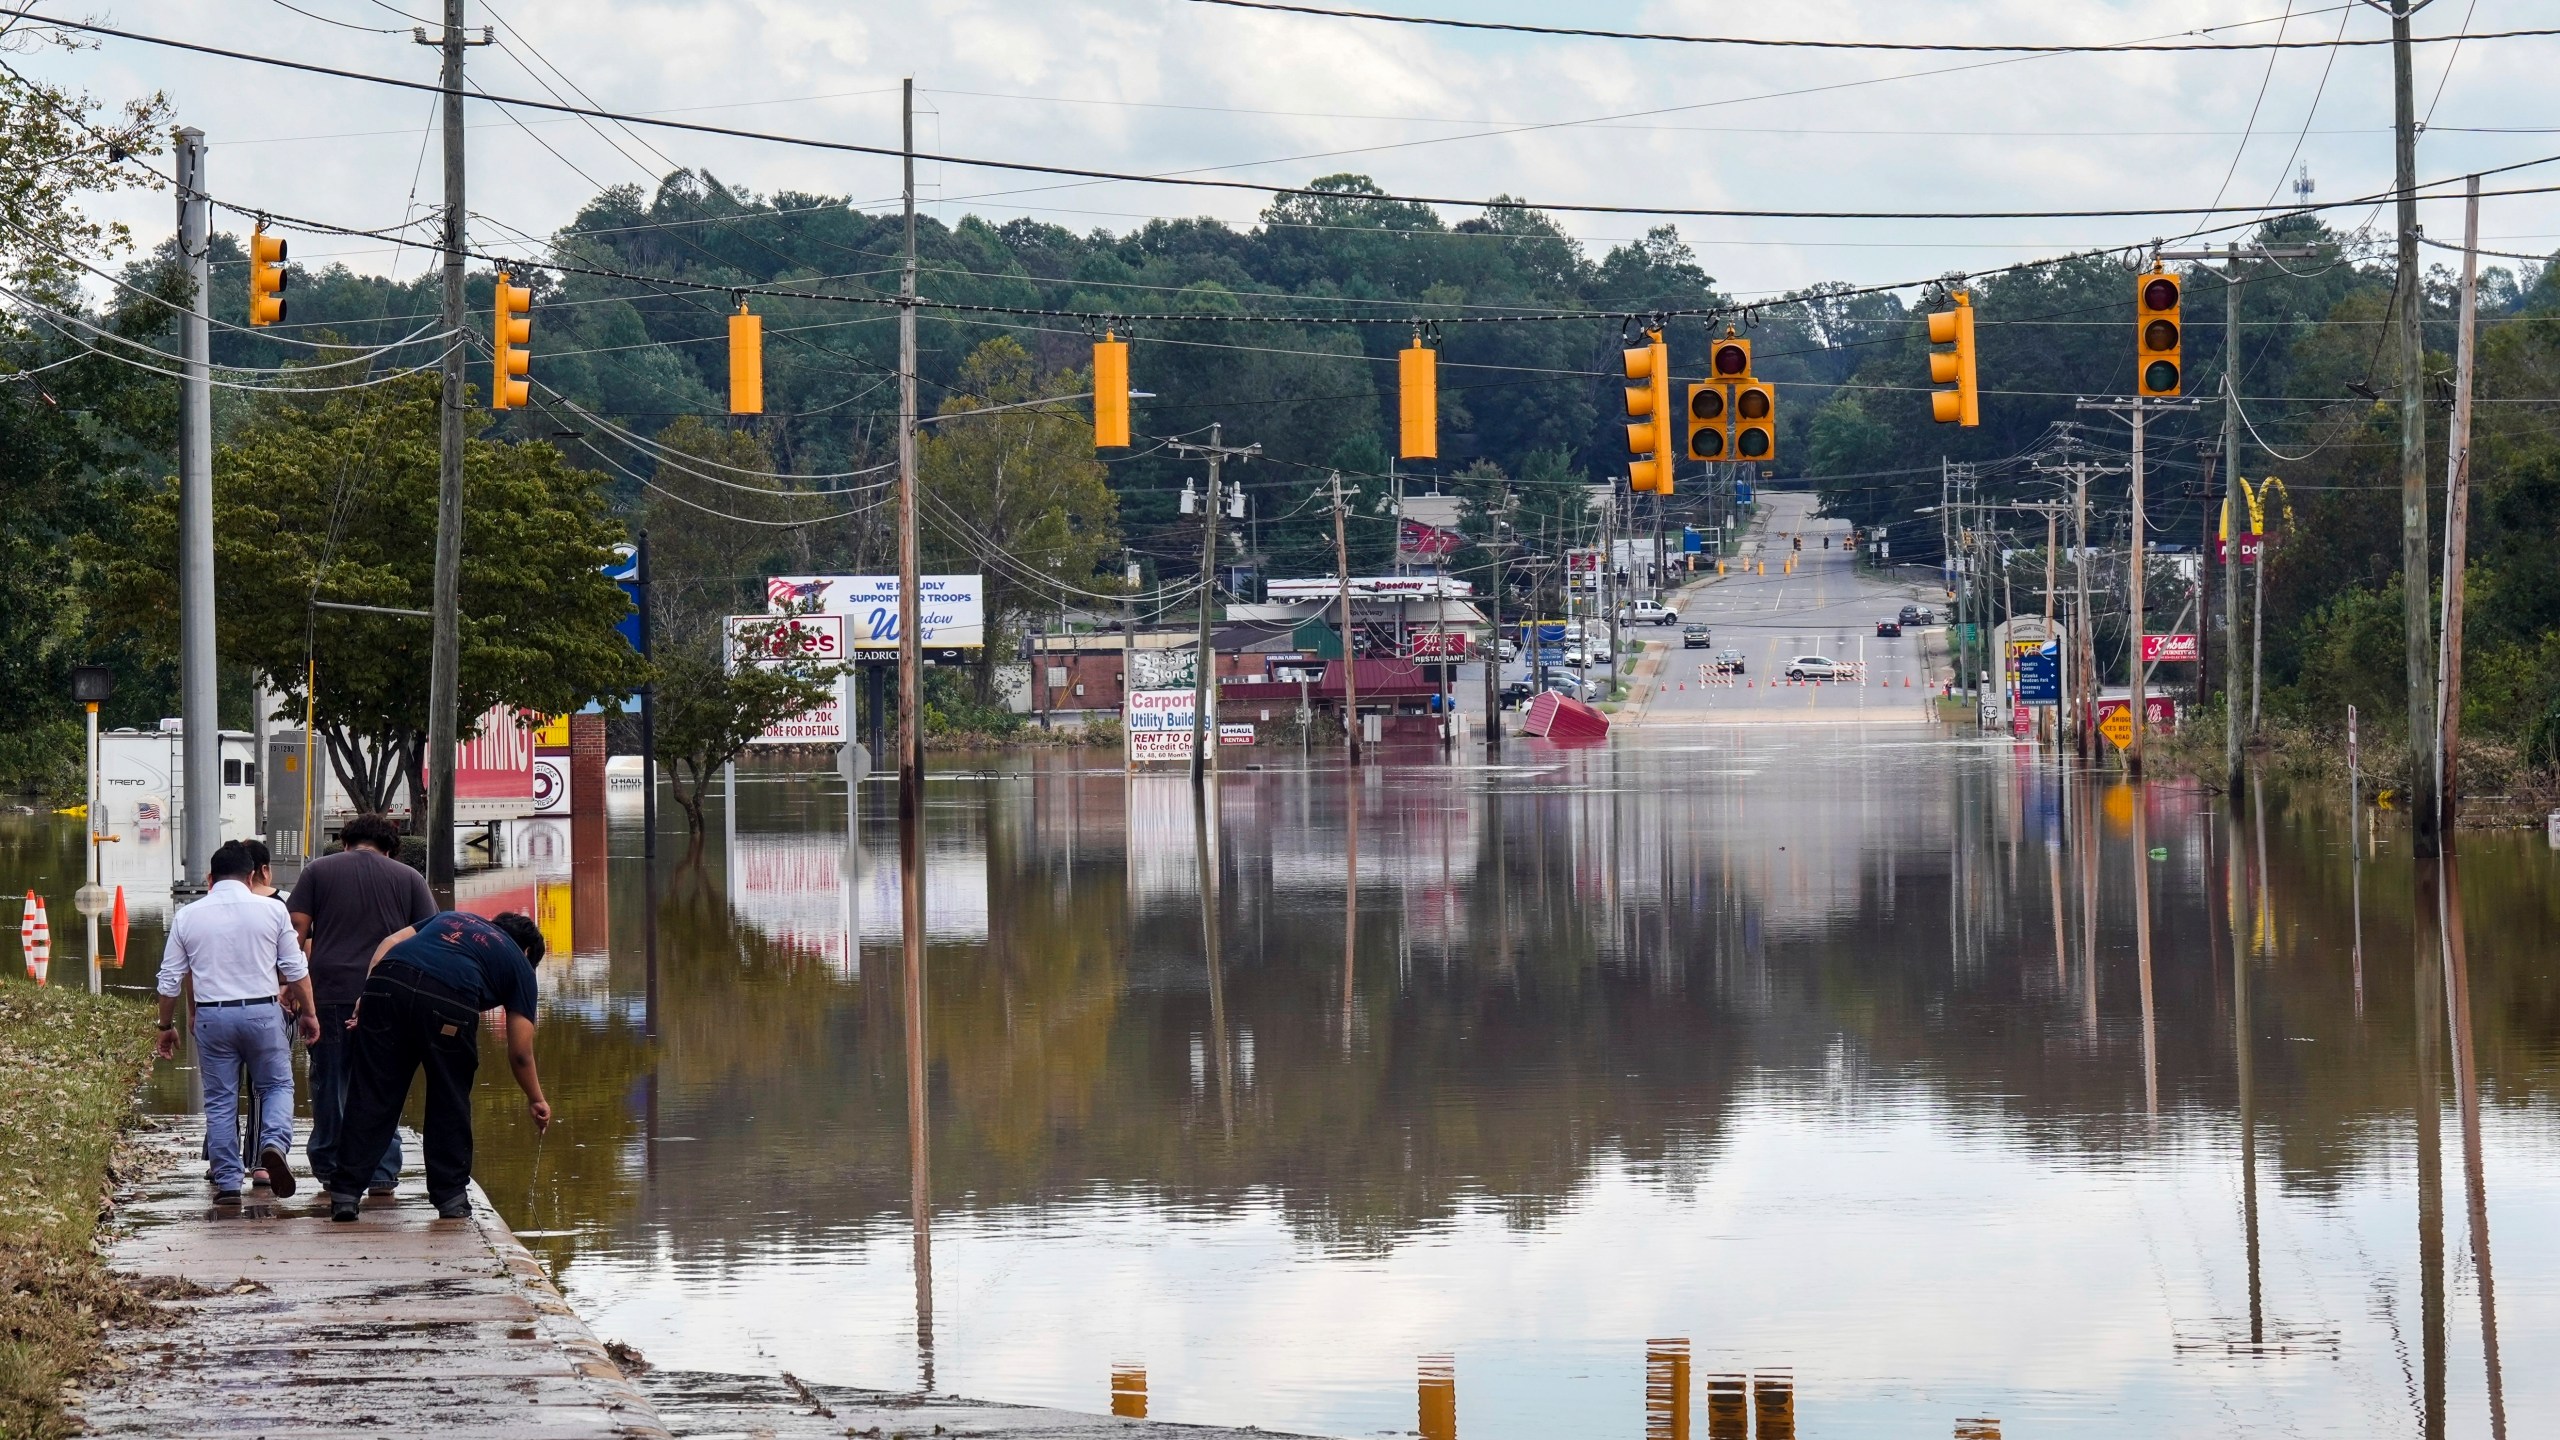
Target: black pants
409 1021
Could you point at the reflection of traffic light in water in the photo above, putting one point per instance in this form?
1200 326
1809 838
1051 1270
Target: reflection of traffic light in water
1666 1390
1773 1402
1436 1397
1982 1429
1728 1407
1129 1391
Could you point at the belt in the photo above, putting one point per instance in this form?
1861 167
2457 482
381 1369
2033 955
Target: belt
234 1004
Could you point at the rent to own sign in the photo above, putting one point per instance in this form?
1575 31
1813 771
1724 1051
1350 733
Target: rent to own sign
1159 724
775 641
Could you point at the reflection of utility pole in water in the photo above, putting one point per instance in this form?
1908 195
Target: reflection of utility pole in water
2242 1036
2089 835
919 1151
1205 845
2430 1020
1435 1397
2142 949
2466 1099
1666 1389
1350 896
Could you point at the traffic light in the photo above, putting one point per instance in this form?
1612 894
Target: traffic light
1649 416
1755 421
746 362
1110 392
1729 359
1710 407
509 360
267 277
2157 370
1963 404
1418 400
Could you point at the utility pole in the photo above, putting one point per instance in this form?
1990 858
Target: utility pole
2232 500
200 745
2457 520
910 518
2137 410
1350 650
1204 723
1500 546
2424 812
444 659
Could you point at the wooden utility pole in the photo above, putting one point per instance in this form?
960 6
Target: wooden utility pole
1204 719
910 519
444 654
2457 518
200 742
2424 814
1350 650
1500 546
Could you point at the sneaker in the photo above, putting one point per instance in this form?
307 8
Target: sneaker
382 1192
342 1208
455 1209
257 1177
226 1197
277 1168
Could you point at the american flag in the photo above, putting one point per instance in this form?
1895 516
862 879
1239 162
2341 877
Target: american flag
147 810
785 597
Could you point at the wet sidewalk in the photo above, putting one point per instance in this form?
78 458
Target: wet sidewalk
289 1326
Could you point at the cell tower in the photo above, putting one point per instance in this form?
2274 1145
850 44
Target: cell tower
2302 186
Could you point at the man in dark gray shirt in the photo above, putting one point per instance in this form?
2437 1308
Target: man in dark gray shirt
342 905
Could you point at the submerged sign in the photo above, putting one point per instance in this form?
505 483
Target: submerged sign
1159 724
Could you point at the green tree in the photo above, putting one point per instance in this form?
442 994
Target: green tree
1016 492
335 499
708 715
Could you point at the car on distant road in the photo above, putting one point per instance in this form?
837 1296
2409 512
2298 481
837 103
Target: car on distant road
1695 637
1507 648
1727 662
1647 613
1515 692
1888 628
1915 615
1813 667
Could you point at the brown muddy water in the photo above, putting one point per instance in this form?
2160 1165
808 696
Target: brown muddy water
1818 1083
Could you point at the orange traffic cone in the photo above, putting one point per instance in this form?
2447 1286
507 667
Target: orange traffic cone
35 936
117 926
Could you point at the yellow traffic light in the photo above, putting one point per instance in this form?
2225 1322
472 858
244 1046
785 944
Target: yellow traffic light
2157 333
1755 421
1729 359
1110 392
746 362
1710 416
511 331
1418 401
1963 404
267 277
1649 416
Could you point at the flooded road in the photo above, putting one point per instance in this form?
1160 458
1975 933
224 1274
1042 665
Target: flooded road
1805 1082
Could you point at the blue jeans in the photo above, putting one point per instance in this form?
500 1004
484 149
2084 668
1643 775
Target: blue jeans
329 1061
224 1039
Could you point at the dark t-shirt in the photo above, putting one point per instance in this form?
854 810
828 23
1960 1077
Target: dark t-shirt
474 957
354 898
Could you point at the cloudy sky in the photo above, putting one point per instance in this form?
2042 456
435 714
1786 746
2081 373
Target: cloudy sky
1167 86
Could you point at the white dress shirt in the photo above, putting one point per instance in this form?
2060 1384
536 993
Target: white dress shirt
237 944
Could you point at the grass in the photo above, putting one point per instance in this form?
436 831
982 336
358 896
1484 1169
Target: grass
72 1063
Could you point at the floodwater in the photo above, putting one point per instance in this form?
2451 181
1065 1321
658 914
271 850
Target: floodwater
1820 1083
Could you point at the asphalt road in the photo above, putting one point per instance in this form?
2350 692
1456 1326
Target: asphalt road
1827 607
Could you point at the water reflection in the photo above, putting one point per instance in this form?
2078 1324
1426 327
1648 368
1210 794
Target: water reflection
1774 1047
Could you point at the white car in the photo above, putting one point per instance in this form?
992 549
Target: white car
1642 613
1813 667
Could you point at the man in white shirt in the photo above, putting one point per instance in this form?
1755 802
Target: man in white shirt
241 950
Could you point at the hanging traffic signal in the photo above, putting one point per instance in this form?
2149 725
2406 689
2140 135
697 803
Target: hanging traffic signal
1963 404
1729 359
1710 411
511 332
2157 333
1755 421
746 362
267 277
1418 401
1649 416
1110 392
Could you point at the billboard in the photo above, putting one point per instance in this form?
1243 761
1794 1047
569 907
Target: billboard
2157 648
796 639
952 608
1159 724
493 770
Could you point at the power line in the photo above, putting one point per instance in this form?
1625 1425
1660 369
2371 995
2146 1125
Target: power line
1184 181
